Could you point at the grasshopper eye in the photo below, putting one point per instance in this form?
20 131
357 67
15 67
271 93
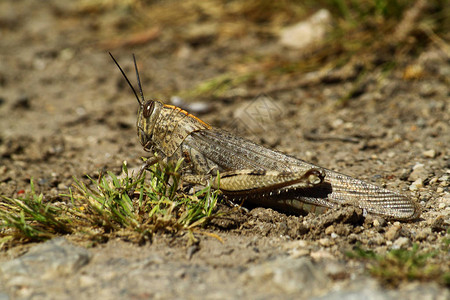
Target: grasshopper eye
148 108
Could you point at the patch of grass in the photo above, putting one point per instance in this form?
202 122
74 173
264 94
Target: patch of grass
400 265
110 206
218 86
31 218
361 10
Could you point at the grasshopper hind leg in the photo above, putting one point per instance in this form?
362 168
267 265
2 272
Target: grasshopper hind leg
279 190
296 200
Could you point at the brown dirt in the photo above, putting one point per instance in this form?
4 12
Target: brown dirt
65 111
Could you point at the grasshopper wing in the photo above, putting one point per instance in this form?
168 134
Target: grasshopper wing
217 149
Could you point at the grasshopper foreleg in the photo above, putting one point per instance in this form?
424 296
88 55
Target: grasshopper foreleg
147 164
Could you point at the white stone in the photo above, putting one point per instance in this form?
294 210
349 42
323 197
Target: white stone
308 32
416 185
429 153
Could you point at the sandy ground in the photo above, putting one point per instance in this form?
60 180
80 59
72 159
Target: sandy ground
66 111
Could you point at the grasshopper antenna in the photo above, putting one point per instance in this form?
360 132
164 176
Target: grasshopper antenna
138 79
129 83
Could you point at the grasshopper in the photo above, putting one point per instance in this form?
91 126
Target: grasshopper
250 172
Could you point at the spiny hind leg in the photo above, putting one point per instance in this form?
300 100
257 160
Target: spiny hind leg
278 190
250 180
241 184
196 179
243 181
204 180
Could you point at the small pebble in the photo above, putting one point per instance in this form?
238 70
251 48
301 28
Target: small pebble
86 281
423 234
377 240
416 185
325 242
335 269
393 232
418 165
295 253
401 243
418 172
429 153
433 180
321 254
431 238
337 123
62 186
445 180
329 230
307 33
292 276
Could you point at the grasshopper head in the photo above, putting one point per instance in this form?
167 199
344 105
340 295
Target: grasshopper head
148 111
146 119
